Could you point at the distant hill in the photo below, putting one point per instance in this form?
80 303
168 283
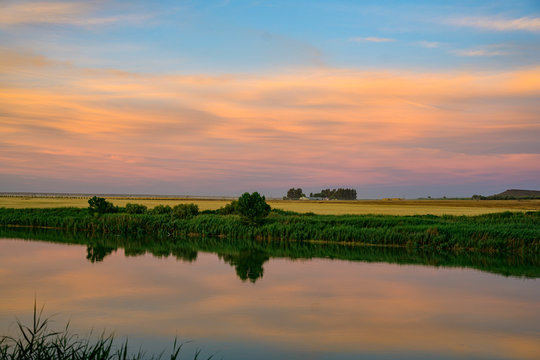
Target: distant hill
511 194
521 193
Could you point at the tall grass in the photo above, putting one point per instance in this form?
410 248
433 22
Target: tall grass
38 342
498 232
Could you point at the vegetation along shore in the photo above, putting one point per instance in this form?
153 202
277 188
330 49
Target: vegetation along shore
497 232
38 341
248 256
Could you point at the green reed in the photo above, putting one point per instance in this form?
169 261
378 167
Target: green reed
498 232
38 341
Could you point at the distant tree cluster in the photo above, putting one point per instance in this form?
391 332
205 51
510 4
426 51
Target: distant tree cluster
336 194
294 194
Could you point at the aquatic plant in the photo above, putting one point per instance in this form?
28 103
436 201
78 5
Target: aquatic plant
507 232
39 342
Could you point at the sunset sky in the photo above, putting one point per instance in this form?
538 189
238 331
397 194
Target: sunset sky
392 98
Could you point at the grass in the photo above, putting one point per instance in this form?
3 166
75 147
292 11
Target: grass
360 207
498 232
38 342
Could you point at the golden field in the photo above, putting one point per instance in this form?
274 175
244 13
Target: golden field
383 207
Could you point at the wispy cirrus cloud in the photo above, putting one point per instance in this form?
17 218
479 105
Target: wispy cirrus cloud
70 13
487 50
480 52
498 23
429 44
372 39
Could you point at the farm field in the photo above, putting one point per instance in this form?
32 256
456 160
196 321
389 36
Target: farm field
359 207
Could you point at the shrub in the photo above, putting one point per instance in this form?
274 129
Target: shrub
185 211
160 209
228 209
136 208
252 208
98 205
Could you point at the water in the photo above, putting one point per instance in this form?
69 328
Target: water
291 309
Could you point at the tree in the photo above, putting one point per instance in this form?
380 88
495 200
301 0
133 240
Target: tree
185 211
252 208
136 208
229 209
98 205
295 194
161 209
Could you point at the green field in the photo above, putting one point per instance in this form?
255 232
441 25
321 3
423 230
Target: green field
359 207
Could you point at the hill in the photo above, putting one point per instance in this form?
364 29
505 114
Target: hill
520 194
511 194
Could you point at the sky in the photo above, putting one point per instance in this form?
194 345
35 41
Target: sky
215 98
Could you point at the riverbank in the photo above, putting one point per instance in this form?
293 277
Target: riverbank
500 232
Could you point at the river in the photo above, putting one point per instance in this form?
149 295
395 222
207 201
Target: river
277 308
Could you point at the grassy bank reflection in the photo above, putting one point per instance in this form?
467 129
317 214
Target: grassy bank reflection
248 257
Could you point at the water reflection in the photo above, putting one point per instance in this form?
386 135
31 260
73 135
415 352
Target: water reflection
248 263
96 253
319 308
248 257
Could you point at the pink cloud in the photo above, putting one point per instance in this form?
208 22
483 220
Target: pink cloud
317 126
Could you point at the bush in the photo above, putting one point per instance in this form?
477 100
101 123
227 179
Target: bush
185 211
228 209
160 209
252 208
136 208
98 205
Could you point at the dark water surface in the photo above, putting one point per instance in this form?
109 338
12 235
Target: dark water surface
291 309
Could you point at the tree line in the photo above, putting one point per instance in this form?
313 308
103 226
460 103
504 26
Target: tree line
252 209
334 194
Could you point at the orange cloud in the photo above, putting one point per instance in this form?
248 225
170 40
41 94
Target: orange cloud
317 125
39 12
54 12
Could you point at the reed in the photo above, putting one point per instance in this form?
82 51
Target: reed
498 232
38 341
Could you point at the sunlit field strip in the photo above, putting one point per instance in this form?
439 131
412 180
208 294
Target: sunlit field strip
383 207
